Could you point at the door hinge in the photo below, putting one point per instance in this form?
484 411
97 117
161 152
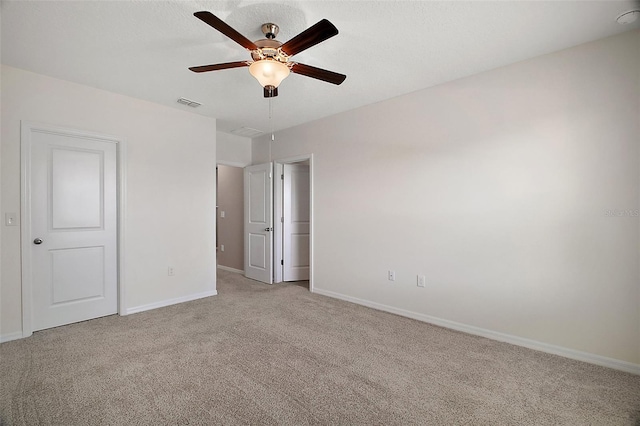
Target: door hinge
282 219
282 177
282 262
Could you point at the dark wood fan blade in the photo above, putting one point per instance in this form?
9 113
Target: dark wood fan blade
319 73
225 29
320 32
216 67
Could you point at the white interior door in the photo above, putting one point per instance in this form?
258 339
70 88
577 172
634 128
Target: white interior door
73 228
296 222
258 223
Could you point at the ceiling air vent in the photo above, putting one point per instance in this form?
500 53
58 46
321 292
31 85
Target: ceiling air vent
247 132
189 102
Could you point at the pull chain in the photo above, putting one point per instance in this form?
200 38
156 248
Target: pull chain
271 125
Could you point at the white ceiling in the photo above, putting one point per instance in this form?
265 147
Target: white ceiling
386 48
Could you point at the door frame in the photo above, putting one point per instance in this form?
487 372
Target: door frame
26 129
277 210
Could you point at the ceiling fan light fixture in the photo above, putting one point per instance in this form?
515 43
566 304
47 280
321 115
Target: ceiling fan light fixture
269 72
270 57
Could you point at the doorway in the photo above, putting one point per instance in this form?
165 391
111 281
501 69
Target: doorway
265 249
229 218
293 224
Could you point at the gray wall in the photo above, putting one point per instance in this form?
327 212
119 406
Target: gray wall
233 150
497 187
170 187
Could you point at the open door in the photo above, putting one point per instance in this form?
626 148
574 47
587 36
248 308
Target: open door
296 222
258 223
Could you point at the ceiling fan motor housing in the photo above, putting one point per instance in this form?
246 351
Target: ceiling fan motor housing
268 49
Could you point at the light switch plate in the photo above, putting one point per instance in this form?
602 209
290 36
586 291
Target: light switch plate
11 219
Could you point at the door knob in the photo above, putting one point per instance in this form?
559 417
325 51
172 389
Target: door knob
268 229
37 241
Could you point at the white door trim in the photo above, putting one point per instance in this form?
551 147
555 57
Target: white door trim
277 224
294 225
26 128
232 164
278 213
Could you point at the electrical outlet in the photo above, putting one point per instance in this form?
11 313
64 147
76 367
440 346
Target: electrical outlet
422 280
170 271
392 275
221 247
222 213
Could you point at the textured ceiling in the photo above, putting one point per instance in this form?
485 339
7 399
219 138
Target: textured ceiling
386 48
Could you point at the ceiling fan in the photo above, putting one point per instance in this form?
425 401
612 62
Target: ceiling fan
271 62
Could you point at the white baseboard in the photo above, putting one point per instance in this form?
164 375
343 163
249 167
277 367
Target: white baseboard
162 304
494 335
11 336
226 268
134 310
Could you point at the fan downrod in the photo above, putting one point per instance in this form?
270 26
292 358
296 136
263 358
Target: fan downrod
270 30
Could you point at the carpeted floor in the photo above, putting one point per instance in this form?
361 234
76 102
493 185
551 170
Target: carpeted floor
258 354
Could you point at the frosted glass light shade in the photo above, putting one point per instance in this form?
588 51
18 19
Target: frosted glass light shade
269 72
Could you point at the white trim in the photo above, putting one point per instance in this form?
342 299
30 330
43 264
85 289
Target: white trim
26 127
226 268
122 203
278 269
494 335
312 227
294 159
233 164
11 336
25 225
162 304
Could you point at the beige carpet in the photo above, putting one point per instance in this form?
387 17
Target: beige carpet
258 354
